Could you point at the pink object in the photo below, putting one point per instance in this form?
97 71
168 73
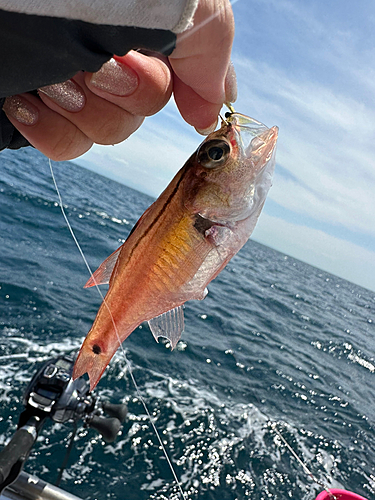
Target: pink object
340 495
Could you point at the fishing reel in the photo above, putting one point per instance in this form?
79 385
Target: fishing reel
53 394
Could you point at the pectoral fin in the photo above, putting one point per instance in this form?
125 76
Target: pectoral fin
169 325
218 235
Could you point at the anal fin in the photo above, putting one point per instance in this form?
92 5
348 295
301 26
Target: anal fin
169 325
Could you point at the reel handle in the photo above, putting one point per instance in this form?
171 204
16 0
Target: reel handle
107 427
119 411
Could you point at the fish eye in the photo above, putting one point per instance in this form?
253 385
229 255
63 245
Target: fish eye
213 153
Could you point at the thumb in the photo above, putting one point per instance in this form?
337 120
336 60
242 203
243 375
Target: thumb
201 60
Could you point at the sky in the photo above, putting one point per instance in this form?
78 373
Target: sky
309 68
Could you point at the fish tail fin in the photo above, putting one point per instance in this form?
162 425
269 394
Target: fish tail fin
93 360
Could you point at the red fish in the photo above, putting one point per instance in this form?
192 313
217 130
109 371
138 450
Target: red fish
183 240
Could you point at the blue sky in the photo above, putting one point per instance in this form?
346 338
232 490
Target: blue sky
308 67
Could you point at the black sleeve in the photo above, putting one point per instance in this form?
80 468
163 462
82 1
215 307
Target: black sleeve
37 51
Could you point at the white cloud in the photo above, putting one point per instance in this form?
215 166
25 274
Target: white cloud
355 212
326 142
337 256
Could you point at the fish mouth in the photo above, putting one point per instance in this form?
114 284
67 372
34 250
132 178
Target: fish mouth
252 135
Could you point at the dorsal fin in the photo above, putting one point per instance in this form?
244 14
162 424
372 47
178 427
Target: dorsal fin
103 274
169 325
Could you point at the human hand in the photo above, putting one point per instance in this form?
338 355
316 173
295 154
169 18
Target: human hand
108 106
104 107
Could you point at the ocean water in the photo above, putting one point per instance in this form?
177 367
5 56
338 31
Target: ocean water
275 340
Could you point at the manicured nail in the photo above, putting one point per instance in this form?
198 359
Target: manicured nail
115 78
230 84
21 110
68 95
208 130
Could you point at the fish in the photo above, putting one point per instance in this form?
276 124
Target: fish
183 240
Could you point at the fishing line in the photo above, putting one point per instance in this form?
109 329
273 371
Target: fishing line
127 362
300 461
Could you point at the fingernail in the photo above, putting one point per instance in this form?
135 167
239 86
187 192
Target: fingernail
21 110
231 84
68 95
115 78
208 130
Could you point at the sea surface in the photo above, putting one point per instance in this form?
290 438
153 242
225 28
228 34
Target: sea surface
275 341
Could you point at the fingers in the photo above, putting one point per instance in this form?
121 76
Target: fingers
105 107
201 61
202 114
47 131
108 106
194 109
100 120
141 84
